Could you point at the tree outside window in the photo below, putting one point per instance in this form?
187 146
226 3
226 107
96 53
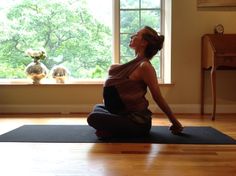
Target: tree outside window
74 33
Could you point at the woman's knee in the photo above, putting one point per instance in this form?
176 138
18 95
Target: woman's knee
95 119
98 108
91 119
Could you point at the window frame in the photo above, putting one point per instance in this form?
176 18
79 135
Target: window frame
165 53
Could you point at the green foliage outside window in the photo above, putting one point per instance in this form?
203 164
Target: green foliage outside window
70 34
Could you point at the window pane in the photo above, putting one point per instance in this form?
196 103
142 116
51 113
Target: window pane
75 34
151 18
132 18
157 64
129 4
150 3
129 21
125 49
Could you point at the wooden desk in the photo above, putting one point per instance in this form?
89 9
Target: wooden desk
217 52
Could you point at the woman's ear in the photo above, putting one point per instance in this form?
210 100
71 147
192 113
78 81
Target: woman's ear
144 43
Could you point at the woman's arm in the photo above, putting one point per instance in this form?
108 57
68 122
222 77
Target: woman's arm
148 75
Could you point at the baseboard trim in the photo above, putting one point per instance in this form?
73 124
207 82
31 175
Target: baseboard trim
196 108
86 108
61 109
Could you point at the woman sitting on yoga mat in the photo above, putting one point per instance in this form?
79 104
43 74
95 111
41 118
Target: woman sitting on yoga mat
125 110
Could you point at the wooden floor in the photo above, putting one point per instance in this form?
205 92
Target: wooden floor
85 159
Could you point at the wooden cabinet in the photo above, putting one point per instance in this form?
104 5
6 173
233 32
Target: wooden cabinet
217 52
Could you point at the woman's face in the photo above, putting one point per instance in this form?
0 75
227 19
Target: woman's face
136 40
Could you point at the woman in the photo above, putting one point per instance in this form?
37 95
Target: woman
125 110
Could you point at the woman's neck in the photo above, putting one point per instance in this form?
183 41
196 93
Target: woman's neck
139 54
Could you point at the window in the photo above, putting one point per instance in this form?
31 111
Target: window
134 15
74 33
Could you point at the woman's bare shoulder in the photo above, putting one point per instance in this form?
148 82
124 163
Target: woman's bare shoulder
146 65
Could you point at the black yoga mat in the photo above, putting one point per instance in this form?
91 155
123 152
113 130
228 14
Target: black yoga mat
85 134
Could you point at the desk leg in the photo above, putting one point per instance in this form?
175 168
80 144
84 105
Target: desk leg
213 90
202 90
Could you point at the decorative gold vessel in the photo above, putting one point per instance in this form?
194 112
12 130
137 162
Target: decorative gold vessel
36 71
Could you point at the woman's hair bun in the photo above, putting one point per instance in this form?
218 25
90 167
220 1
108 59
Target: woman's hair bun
160 41
155 42
162 38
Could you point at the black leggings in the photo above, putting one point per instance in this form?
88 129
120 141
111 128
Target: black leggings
101 119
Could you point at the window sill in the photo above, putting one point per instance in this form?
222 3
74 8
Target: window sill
51 82
15 82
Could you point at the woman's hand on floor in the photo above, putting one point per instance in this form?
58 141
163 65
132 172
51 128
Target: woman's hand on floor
176 128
